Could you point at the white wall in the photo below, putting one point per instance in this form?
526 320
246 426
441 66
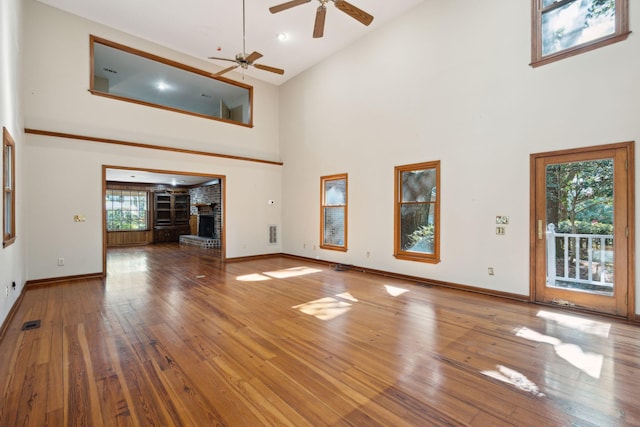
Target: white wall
57 98
12 258
448 81
68 181
64 177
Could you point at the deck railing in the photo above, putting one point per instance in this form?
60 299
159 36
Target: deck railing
583 258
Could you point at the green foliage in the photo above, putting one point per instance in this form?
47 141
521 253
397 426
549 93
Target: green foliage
580 191
118 220
585 227
422 234
599 8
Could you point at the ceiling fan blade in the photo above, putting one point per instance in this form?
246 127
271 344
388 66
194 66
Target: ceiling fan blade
226 70
270 69
222 59
253 56
318 28
287 5
357 14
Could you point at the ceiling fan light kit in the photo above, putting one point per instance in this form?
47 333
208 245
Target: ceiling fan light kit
243 60
318 28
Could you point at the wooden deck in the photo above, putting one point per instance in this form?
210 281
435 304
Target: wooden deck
174 337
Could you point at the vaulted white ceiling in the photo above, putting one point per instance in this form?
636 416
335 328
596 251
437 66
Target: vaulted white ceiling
203 28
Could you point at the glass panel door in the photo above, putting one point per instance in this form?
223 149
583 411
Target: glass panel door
579 226
581 236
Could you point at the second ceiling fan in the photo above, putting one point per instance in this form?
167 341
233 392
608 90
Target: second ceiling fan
318 28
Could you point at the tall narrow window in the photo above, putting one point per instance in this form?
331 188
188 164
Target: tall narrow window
333 225
9 189
417 212
127 210
562 28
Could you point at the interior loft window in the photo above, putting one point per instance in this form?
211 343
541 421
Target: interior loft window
128 74
127 210
563 28
9 186
333 224
417 212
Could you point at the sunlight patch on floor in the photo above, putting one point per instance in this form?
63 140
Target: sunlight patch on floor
395 291
515 378
347 296
589 363
325 308
255 277
291 272
128 265
588 326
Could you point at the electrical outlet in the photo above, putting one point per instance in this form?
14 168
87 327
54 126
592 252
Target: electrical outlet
60 262
490 271
500 231
368 254
7 290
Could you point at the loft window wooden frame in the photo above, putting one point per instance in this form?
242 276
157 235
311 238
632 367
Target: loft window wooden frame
538 10
9 189
189 70
430 200
326 207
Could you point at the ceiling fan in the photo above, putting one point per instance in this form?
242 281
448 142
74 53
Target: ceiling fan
243 60
318 29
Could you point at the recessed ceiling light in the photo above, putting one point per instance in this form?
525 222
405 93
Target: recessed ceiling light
162 86
282 36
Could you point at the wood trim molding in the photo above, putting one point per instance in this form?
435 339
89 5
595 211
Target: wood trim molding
53 280
155 58
418 280
145 146
253 257
12 313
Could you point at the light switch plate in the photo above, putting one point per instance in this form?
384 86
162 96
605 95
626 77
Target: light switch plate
502 219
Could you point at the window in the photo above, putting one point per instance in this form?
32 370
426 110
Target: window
563 28
9 186
417 212
127 210
333 224
123 73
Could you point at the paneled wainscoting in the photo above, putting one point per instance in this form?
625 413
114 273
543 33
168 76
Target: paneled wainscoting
175 337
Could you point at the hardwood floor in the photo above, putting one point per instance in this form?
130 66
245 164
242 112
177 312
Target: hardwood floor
174 337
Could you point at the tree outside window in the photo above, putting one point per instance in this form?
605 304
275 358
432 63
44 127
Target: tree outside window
563 28
417 212
127 210
333 224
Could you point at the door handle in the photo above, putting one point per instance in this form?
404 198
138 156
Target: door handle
540 233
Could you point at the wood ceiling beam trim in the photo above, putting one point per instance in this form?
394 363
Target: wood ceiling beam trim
146 146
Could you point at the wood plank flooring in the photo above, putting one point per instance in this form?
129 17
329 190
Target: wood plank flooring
174 337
